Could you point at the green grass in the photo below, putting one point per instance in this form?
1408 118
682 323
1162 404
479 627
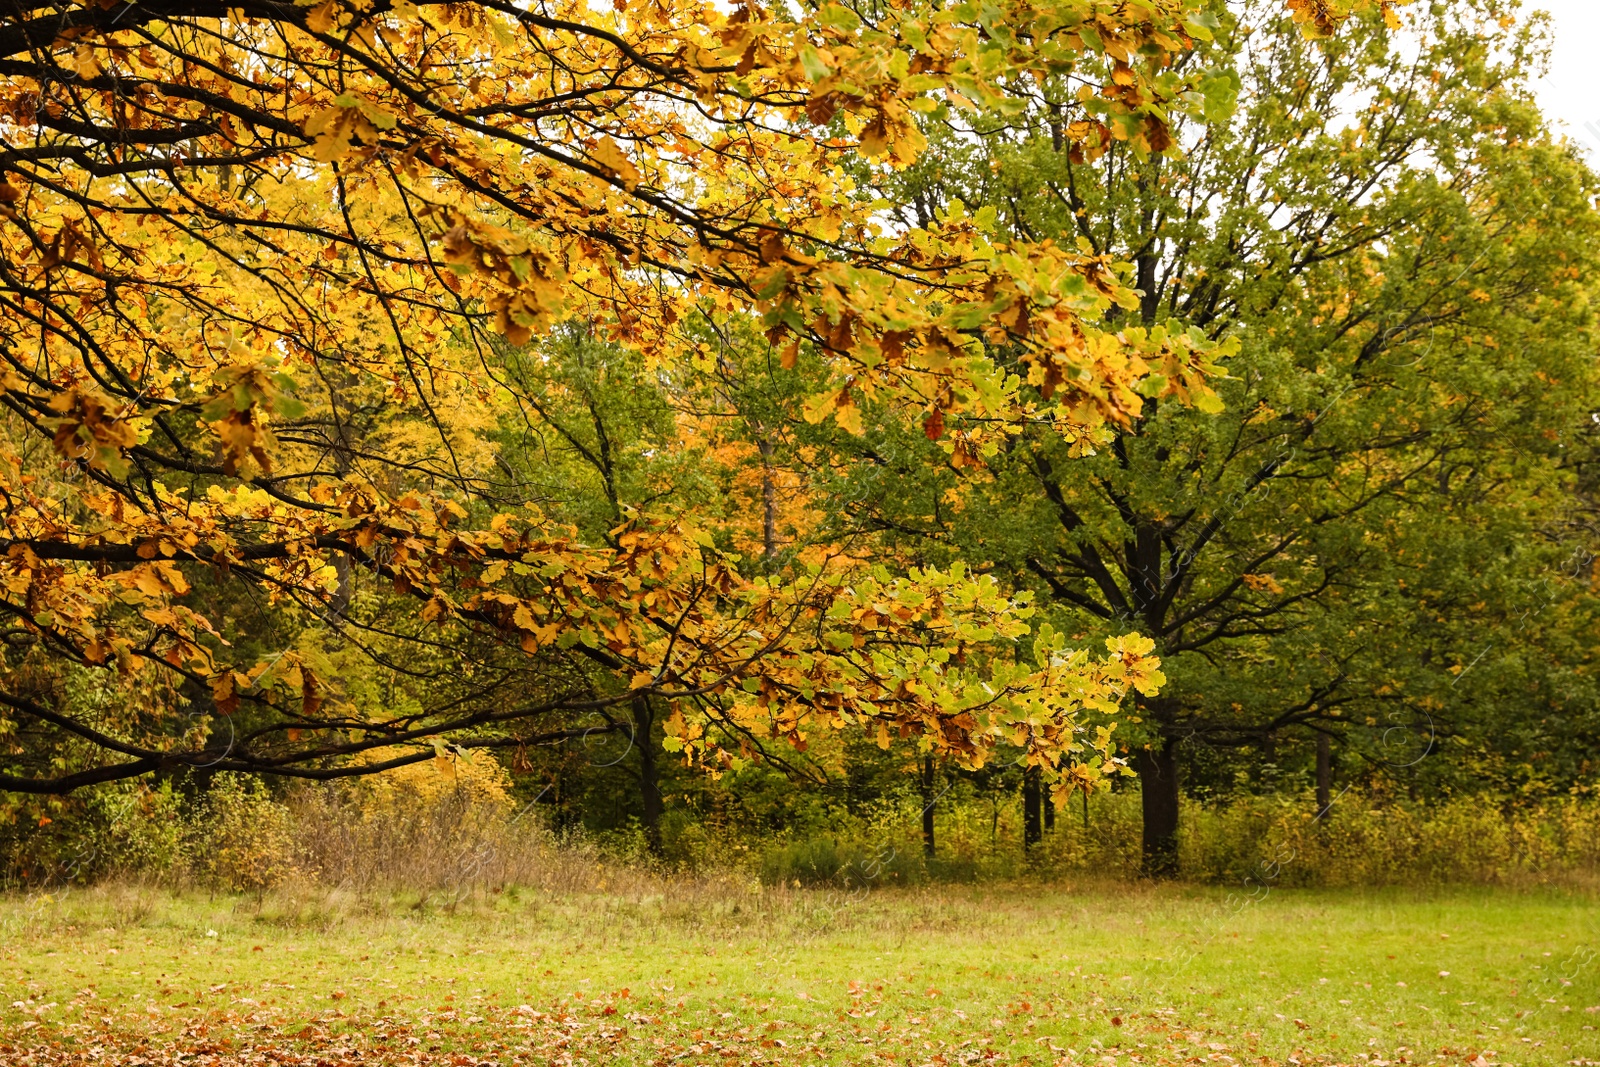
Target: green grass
720 975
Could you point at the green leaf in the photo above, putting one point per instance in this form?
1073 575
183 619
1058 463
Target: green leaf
1220 92
811 61
1152 386
838 17
1202 25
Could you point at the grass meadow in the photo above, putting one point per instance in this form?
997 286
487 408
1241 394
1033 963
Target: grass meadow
722 972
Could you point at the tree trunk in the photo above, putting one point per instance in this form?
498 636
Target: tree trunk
1049 813
1158 781
649 774
339 603
342 569
769 502
928 801
1032 815
1324 774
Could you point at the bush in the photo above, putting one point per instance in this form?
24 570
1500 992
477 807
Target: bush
1251 840
238 838
852 863
444 828
139 831
1373 841
127 830
448 827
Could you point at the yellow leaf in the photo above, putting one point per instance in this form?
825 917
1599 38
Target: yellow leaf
323 18
875 137
85 64
610 155
848 417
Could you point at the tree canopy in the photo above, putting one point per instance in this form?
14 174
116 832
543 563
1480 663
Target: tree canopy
1400 253
260 269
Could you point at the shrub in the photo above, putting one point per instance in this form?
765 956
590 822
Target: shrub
238 838
848 862
129 830
445 828
1374 841
1251 840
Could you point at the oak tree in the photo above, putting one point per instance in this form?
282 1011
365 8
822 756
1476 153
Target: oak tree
259 266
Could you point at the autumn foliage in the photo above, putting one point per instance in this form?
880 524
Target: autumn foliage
261 268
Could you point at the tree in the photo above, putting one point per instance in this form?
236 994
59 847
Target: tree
258 266
1399 251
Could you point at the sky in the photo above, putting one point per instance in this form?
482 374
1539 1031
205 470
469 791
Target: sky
1570 94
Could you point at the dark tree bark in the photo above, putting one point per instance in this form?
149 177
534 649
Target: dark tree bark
1324 774
769 502
1032 813
649 773
1157 767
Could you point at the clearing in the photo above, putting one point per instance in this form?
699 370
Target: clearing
725 974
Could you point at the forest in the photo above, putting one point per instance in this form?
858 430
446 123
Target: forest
683 468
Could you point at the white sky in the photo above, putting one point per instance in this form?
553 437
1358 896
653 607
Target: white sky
1570 95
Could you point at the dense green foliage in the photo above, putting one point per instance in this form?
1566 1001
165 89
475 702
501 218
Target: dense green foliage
1380 540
